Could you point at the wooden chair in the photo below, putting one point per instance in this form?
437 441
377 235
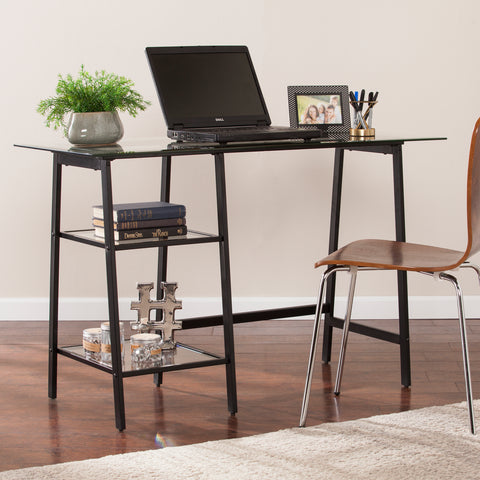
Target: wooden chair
390 255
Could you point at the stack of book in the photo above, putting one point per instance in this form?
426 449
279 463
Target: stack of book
131 221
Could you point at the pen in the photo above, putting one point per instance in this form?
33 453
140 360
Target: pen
353 100
360 108
372 98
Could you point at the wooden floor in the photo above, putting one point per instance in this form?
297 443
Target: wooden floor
191 405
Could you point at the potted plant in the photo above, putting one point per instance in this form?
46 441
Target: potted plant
93 102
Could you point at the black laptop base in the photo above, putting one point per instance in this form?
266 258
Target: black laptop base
245 134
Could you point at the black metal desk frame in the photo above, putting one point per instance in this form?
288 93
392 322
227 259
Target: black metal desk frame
403 336
100 159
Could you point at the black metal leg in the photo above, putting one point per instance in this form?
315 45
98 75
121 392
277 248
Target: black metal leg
226 282
164 197
112 291
163 251
332 246
54 277
401 276
404 335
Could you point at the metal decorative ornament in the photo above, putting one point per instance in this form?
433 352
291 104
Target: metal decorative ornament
168 304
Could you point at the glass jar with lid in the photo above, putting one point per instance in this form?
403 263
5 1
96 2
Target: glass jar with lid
106 346
146 349
92 339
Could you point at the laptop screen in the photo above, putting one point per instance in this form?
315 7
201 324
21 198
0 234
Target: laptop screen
207 86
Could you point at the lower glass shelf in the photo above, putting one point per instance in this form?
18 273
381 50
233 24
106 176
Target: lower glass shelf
180 358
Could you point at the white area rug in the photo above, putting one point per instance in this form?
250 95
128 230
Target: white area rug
431 443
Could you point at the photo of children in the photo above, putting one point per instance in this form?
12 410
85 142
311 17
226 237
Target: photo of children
319 109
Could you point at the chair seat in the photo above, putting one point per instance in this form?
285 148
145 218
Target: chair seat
390 255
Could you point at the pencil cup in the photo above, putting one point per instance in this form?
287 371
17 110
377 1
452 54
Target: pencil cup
362 125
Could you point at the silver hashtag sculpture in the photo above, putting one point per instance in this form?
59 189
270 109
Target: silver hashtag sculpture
168 304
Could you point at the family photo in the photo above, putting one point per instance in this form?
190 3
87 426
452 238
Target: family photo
319 109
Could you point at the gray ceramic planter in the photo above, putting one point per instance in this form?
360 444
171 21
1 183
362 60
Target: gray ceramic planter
94 128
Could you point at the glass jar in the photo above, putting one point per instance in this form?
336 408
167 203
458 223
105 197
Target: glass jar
92 339
146 349
106 347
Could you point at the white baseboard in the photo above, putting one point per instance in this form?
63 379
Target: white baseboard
24 309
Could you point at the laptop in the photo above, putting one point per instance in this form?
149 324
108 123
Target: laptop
212 94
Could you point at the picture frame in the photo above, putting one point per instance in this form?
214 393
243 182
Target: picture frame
324 107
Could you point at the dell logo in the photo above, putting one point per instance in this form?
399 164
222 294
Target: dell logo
219 119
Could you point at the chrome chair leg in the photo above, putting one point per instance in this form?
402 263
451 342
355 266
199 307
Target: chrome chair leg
313 347
463 335
346 326
473 267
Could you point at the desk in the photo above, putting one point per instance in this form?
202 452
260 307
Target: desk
101 158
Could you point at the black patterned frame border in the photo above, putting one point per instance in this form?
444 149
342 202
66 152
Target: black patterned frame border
340 90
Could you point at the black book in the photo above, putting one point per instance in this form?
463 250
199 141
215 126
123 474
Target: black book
156 222
143 233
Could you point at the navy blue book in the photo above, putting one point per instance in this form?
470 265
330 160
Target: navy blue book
132 212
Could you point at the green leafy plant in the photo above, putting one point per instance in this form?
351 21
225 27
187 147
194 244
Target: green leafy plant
101 92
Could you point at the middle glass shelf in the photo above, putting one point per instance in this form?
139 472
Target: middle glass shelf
88 236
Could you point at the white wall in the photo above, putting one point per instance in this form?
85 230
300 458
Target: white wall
421 57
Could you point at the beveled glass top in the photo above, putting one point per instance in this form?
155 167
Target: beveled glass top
162 146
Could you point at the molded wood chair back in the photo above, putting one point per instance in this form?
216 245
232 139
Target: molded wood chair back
473 195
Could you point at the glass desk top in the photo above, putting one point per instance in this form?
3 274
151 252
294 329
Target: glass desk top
162 146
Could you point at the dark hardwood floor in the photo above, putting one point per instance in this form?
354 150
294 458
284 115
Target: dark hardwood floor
191 405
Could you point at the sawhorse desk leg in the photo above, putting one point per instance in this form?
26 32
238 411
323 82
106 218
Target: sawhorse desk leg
224 255
54 278
403 337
